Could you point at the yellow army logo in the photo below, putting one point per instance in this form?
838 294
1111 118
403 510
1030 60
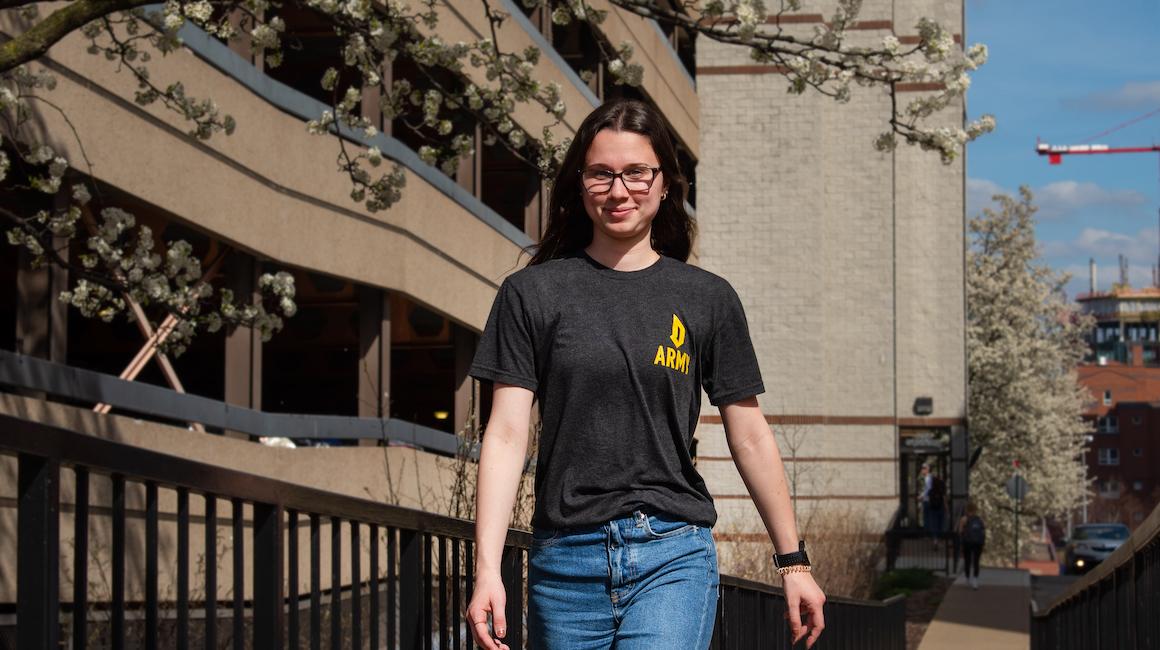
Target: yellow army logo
673 357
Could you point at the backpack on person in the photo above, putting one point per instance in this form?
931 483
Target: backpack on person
937 492
975 531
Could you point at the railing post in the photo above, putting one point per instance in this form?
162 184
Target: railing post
411 603
511 572
38 554
268 605
151 551
80 628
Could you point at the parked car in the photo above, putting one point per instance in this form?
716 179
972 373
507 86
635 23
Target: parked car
1091 544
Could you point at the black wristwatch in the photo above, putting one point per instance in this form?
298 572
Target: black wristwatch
798 558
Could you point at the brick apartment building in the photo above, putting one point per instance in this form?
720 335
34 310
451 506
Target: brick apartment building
1123 376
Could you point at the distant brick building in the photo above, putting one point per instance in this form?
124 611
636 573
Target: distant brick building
1123 375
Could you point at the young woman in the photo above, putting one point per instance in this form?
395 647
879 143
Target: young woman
616 336
973 535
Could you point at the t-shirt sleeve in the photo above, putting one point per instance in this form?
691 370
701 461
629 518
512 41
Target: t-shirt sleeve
729 370
506 351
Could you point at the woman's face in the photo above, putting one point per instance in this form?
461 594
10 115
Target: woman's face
619 213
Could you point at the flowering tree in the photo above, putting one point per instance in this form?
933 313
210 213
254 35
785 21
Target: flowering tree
489 82
1024 342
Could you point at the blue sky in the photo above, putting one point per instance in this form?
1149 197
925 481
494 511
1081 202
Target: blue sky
1063 71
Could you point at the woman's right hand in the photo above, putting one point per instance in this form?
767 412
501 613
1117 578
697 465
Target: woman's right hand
489 597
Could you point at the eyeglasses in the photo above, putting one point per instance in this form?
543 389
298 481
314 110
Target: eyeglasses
635 179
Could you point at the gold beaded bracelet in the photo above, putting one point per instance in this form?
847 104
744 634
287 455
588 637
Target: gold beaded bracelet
795 568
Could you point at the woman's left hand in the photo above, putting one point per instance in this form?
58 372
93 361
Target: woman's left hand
803 596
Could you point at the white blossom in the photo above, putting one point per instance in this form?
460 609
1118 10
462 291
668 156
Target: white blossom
173 22
41 155
80 194
200 10
749 14
264 37
891 44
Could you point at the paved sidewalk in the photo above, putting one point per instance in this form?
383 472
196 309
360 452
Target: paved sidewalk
994 617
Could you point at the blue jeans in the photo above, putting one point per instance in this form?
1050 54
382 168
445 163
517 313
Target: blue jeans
932 518
637 583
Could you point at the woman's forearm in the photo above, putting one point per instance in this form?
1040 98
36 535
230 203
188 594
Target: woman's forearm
759 463
501 463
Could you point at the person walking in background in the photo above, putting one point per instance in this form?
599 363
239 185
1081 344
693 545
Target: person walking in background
933 502
973 533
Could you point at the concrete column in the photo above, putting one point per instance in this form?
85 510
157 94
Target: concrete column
243 45
545 206
374 371
542 18
536 212
243 347
372 101
470 169
41 319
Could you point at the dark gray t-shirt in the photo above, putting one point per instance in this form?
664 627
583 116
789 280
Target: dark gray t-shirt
617 360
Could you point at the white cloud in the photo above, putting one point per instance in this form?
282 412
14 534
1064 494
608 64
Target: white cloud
1106 247
1140 95
1060 198
1055 200
979 193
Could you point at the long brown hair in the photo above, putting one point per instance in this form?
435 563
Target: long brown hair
569 227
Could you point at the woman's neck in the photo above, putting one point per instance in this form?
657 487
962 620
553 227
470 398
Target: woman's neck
623 256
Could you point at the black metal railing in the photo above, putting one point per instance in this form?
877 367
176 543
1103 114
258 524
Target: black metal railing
751 616
1116 605
278 564
77 384
914 548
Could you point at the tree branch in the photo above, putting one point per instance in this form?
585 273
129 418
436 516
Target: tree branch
55 256
36 41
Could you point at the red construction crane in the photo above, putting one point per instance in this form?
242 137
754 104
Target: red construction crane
1056 152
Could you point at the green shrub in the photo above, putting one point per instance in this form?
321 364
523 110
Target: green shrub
902 581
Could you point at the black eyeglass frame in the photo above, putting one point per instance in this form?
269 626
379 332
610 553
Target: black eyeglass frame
620 175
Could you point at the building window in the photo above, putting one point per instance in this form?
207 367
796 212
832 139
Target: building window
1107 398
1107 332
577 44
1108 424
409 125
511 186
1141 332
1110 489
1139 516
1138 486
423 365
1109 456
312 366
1137 420
1138 452
310 46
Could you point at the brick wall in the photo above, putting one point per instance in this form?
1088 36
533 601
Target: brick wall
849 263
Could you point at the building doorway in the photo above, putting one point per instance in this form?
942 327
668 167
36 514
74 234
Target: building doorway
919 446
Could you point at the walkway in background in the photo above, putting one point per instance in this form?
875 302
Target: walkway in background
993 617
